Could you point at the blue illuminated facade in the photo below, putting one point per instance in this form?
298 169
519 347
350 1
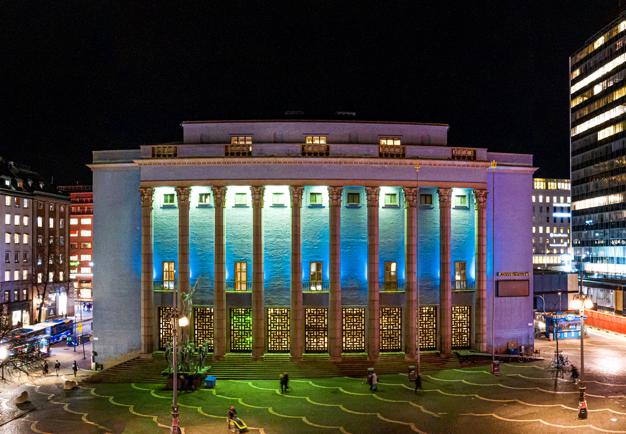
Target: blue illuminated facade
185 182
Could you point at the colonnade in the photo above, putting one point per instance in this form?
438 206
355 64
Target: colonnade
410 334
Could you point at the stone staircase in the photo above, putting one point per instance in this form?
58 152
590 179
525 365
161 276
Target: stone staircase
242 367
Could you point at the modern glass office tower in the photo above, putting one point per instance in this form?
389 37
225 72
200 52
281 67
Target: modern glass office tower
313 237
598 163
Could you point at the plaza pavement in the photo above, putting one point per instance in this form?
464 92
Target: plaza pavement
524 399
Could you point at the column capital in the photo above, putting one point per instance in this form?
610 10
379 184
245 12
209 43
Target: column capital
481 198
410 196
257 195
182 195
445 194
146 193
296 195
373 194
334 195
219 196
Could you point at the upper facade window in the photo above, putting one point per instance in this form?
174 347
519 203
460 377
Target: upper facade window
460 201
164 151
241 140
169 199
389 141
204 199
315 140
353 199
391 199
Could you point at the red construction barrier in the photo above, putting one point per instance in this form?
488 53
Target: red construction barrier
606 321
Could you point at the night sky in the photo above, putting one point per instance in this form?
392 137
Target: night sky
85 75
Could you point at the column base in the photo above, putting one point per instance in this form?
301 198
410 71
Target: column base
218 357
336 359
482 347
295 358
410 357
145 355
444 355
258 358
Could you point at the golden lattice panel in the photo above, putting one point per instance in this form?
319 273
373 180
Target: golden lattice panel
203 326
165 326
390 329
277 329
315 329
240 329
353 326
461 326
428 328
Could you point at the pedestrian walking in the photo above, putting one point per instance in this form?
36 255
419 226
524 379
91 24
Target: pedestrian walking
57 367
45 368
418 382
374 386
75 367
369 379
284 382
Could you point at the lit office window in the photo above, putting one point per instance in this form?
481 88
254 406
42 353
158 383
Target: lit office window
315 140
39 222
391 199
7 199
73 221
85 221
241 276
541 229
241 199
85 233
534 198
315 276
391 276
460 200
548 199
241 140
390 141
51 222
541 198
278 199
315 198
24 274
168 274
16 220
25 238
7 219
7 276
204 198
25 220
534 229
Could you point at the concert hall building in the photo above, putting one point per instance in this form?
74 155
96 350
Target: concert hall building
313 237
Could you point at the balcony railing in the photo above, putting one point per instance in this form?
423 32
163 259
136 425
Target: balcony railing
232 285
315 150
158 285
391 151
315 285
462 285
238 150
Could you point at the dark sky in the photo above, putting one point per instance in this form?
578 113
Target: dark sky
85 75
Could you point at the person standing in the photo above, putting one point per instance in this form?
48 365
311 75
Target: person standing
57 367
75 368
284 382
418 382
45 368
374 386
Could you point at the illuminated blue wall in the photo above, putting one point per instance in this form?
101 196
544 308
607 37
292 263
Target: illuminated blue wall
314 230
277 245
391 234
463 234
164 231
428 249
354 248
238 232
201 245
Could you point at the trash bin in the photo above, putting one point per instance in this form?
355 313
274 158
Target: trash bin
210 381
495 367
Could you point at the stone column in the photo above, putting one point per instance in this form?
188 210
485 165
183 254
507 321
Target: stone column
258 305
411 195
296 323
219 270
182 196
147 304
481 283
445 288
373 294
334 298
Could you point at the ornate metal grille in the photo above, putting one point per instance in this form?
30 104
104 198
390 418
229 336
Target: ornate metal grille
203 324
428 328
461 326
390 329
278 329
315 329
165 326
353 324
240 329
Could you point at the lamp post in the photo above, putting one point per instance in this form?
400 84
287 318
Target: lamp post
177 321
560 306
581 302
4 353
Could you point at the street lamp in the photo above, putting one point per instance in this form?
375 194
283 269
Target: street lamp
4 353
560 307
177 322
581 302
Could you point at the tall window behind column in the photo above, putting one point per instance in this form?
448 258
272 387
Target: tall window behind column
168 275
241 276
